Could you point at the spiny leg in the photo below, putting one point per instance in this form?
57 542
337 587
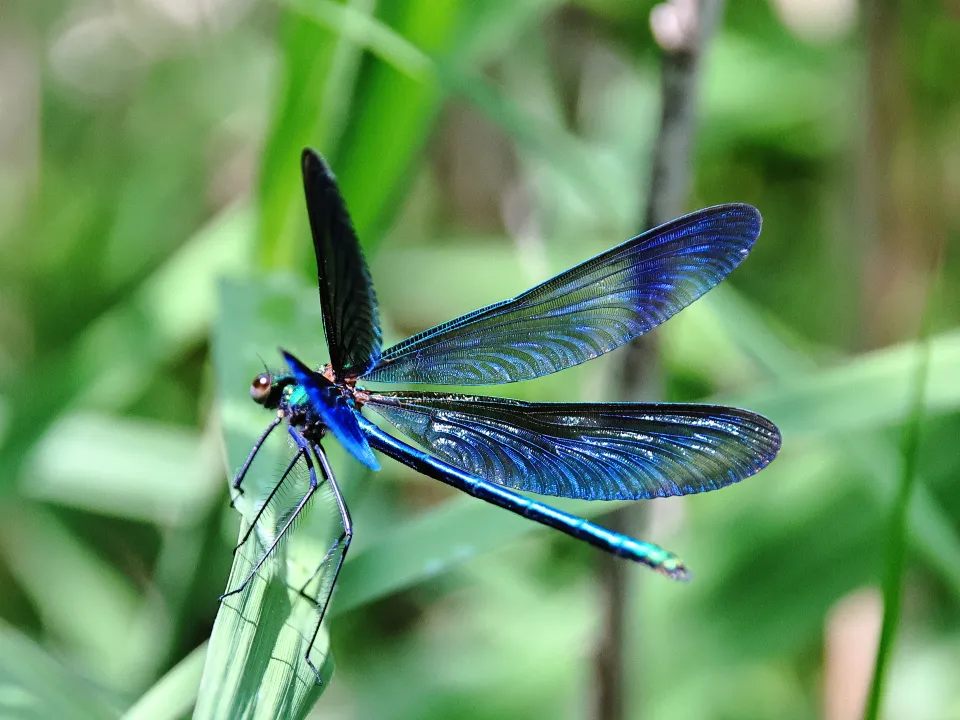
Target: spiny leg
253 452
345 524
343 542
302 444
326 589
302 590
266 503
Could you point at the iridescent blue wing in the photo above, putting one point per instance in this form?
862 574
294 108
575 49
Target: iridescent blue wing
583 312
602 451
334 410
350 318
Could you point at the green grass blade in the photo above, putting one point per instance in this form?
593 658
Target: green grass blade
899 526
86 461
34 686
317 76
402 91
367 32
392 102
570 157
92 608
255 664
753 342
174 695
168 313
393 113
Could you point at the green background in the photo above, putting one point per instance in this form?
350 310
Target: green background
150 201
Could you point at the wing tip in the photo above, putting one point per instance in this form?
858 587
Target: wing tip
318 174
773 439
747 215
767 439
311 161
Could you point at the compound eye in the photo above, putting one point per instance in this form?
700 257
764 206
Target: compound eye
260 388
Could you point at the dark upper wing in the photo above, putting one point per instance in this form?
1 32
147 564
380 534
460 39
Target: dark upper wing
350 318
602 451
583 312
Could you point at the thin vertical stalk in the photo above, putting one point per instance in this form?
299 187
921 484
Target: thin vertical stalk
898 525
901 224
639 373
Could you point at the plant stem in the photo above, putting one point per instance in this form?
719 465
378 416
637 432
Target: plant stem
898 526
669 184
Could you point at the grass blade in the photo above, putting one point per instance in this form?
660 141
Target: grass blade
34 686
318 74
899 525
174 694
254 666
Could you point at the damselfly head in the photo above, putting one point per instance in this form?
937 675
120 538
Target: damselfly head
260 388
267 388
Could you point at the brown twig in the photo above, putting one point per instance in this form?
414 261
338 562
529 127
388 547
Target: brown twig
681 28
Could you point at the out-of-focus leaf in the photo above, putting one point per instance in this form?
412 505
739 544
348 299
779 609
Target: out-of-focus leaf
870 391
34 686
369 33
539 138
167 314
174 695
86 603
390 111
319 69
129 468
735 328
777 91
392 115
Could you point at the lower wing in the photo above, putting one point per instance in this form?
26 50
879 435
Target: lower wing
591 451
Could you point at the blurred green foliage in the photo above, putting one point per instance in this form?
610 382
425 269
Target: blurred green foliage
149 149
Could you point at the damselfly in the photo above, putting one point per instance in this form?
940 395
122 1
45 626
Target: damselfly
492 447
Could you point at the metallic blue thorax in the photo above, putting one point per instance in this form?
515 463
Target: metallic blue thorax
323 402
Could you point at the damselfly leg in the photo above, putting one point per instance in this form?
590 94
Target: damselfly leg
253 453
334 558
303 451
266 503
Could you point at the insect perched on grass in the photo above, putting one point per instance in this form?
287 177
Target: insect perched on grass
491 447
